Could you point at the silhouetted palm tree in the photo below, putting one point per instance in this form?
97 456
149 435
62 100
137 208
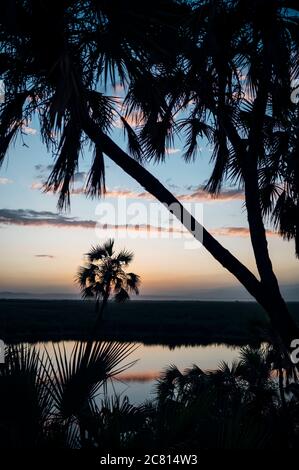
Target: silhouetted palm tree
236 92
57 75
47 398
51 400
105 276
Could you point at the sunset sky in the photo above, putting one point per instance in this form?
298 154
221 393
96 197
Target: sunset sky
41 249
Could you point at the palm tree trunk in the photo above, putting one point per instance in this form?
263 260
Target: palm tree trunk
101 310
281 320
273 301
257 230
280 315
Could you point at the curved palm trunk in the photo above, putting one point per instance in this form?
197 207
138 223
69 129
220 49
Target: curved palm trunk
257 230
281 321
280 315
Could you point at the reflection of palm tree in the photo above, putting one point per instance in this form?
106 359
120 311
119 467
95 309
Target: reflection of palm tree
104 276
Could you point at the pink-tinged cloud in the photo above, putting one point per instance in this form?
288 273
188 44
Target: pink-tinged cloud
29 130
134 120
198 195
236 232
45 256
36 185
172 151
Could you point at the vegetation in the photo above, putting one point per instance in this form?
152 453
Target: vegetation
228 65
50 402
46 401
105 275
149 322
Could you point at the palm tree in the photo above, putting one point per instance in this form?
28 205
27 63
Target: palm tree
46 399
58 78
238 79
104 275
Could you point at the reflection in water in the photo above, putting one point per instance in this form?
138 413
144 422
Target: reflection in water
138 381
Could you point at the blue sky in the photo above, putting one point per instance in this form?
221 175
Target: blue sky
40 257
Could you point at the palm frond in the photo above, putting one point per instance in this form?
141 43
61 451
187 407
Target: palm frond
133 282
121 295
11 120
75 381
124 257
134 146
61 177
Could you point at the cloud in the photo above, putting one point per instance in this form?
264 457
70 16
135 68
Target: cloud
198 195
134 120
172 185
44 256
28 217
36 185
110 193
201 195
31 218
5 181
236 232
43 167
44 170
79 177
171 151
127 193
29 130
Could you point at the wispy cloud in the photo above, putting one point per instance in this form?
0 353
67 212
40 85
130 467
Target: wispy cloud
198 195
28 217
110 193
171 151
201 195
36 185
44 256
44 170
31 218
236 232
79 177
5 181
43 167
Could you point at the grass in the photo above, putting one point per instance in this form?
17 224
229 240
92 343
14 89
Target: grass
150 322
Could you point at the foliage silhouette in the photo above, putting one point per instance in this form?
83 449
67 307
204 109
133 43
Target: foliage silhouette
104 275
46 400
206 46
52 400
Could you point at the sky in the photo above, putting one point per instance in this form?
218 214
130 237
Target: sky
41 248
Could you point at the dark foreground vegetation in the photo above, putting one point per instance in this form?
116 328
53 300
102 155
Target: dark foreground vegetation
59 402
150 322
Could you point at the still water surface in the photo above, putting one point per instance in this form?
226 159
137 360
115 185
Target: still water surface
138 382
